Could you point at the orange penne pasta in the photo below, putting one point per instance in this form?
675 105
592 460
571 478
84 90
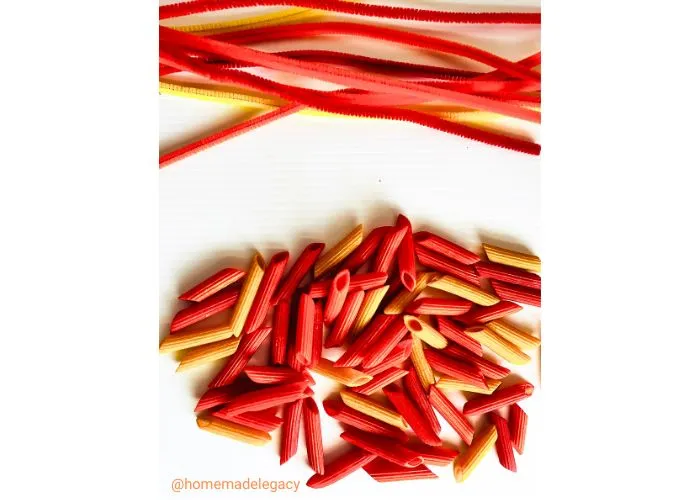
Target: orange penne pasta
405 297
467 461
460 288
369 306
423 369
500 346
233 431
178 341
514 335
346 376
425 332
455 384
208 352
371 408
340 251
248 291
512 258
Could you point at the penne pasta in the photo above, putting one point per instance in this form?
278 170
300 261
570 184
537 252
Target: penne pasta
354 354
200 311
179 341
366 250
302 266
423 368
346 415
499 399
445 265
232 430
390 337
265 420
214 283
250 343
341 467
221 395
457 335
345 320
448 383
312 435
379 380
405 297
455 368
291 427
305 330
500 346
347 376
517 293
339 252
508 274
514 335
395 358
425 332
364 282
480 314
468 460
276 375
383 471
267 397
385 448
388 248
317 343
438 307
248 292
445 247
370 304
417 394
517 425
337 294
435 455
460 288
412 415
280 332
504 447
452 415
512 258
268 285
207 353
406 255
369 407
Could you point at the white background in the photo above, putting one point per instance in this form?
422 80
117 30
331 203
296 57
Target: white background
305 179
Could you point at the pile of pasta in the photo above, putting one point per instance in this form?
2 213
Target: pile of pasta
455 100
412 313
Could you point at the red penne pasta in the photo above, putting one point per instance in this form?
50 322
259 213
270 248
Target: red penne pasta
355 353
276 375
342 325
517 425
445 247
364 282
214 283
517 293
410 412
451 414
388 449
457 335
454 368
504 447
346 415
317 345
508 274
406 255
305 330
221 395
337 294
343 466
280 332
204 309
312 435
389 338
395 358
437 262
378 381
267 397
499 399
300 268
387 249
290 430
237 362
438 307
384 471
363 253
268 286
264 420
487 368
415 391
435 455
484 314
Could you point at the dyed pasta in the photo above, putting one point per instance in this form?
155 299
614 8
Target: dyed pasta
265 420
369 306
347 376
425 332
468 460
438 307
221 395
379 380
302 266
500 346
346 415
369 407
415 391
248 292
291 426
512 258
457 335
179 341
236 363
499 399
366 250
517 425
389 338
339 252
202 310
455 368
406 255
387 249
486 367
207 353
317 343
364 282
412 415
312 435
232 430
395 358
435 455
388 449
504 447
267 397
481 314
442 264
383 471
508 274
217 281
304 330
445 247
517 293
405 297
268 285
514 335
451 414
276 375
454 384
345 320
343 466
280 332
355 353
420 362
460 288
337 294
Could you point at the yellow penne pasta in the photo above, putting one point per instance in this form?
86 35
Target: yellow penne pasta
233 431
207 353
465 290
346 376
512 258
405 297
500 346
454 384
342 249
248 291
369 306
178 341
369 407
466 462
423 368
514 335
421 329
